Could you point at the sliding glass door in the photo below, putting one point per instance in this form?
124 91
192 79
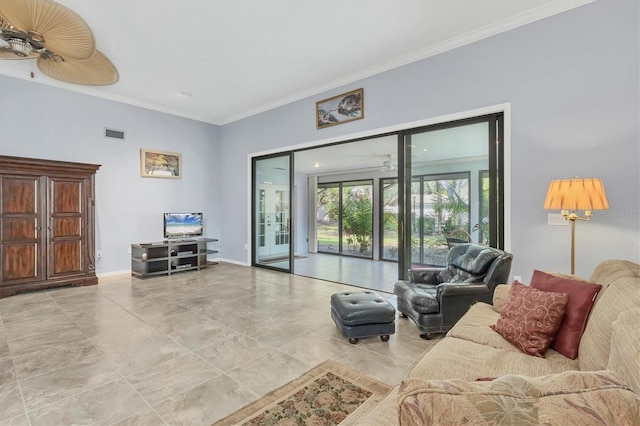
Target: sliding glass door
452 189
445 187
272 230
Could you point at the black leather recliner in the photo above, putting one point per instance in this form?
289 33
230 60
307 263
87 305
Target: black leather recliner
436 298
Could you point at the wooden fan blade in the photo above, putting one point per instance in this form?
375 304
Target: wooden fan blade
6 53
64 31
95 71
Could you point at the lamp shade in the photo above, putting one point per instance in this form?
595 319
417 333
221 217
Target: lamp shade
576 194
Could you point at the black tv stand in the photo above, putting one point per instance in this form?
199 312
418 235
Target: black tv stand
170 256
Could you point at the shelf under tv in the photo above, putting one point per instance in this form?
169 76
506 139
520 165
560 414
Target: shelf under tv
170 256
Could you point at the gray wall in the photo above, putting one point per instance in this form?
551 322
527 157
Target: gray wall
44 122
572 81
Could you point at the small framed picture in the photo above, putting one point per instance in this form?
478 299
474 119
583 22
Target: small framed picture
160 164
340 109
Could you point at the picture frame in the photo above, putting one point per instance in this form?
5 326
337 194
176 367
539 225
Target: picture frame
340 109
160 164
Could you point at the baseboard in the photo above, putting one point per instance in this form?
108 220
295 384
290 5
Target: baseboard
235 262
113 273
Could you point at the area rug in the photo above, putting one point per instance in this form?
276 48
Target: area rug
324 395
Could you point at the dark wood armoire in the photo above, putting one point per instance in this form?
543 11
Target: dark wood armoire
47 226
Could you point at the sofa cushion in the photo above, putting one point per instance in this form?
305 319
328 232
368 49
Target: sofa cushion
582 295
475 326
621 291
624 359
571 397
453 358
530 318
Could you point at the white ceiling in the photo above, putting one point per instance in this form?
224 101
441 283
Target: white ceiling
237 58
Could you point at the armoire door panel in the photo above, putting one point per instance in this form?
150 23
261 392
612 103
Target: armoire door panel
66 196
19 262
19 229
66 227
19 195
67 258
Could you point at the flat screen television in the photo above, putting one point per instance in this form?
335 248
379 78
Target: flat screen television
181 225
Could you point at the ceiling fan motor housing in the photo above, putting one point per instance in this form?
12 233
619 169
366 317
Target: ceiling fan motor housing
20 47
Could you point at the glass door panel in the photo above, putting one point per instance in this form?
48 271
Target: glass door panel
345 218
416 222
272 212
389 232
447 195
357 219
328 218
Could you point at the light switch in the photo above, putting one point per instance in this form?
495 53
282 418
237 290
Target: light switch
556 219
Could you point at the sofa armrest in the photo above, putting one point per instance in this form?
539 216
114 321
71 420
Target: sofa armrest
500 295
425 275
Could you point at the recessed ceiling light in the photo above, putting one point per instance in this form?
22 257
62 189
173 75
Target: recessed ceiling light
316 164
184 94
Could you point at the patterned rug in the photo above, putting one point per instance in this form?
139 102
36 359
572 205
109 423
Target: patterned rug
324 395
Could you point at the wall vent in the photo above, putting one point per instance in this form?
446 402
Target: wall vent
115 134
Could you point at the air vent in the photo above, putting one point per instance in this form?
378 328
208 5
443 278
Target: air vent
115 134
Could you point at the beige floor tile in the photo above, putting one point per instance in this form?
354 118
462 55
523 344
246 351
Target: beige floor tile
103 405
158 351
387 370
172 377
203 404
79 377
233 352
146 417
11 402
52 358
21 420
268 371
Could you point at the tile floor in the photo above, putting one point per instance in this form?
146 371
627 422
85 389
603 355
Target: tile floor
378 275
186 349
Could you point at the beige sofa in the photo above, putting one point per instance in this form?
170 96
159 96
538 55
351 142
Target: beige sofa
601 386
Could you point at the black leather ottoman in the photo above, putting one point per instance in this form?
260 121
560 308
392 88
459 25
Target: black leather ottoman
363 314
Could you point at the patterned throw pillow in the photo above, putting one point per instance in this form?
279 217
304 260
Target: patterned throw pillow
582 295
530 318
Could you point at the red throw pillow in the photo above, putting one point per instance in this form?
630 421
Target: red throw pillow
582 296
530 318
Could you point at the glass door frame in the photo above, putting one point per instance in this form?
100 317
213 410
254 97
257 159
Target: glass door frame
255 212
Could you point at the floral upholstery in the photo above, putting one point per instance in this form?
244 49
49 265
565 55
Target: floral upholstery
594 398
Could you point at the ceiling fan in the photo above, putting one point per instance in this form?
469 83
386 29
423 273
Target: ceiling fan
57 37
389 164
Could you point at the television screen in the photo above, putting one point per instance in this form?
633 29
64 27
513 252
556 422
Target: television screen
178 225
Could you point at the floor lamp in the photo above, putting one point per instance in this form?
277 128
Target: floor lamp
576 194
